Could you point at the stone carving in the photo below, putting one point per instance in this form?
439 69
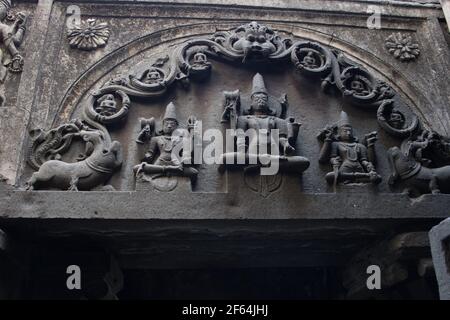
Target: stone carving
200 68
108 108
251 44
263 115
93 169
418 178
251 41
429 148
12 37
357 85
402 47
166 155
352 162
440 251
422 163
90 35
394 122
50 145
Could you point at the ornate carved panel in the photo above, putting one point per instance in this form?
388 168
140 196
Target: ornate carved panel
211 64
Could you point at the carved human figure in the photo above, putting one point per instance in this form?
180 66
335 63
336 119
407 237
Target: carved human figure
256 42
107 105
263 121
12 37
393 121
310 61
163 156
152 76
200 61
352 161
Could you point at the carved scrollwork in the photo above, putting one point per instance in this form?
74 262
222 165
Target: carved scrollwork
251 43
394 121
352 162
12 38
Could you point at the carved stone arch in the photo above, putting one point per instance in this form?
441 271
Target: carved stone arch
145 68
383 71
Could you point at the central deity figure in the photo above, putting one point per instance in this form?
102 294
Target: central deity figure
268 135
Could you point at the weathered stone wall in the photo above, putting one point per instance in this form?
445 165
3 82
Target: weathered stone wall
141 225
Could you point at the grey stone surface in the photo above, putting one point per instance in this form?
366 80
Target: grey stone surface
302 222
440 248
3 240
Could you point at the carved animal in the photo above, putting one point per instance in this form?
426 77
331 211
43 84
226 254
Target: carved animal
419 179
93 171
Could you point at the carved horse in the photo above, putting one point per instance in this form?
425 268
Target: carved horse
417 177
94 170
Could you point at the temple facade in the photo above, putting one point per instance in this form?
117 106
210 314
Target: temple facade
199 149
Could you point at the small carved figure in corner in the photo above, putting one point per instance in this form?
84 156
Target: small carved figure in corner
166 155
11 37
352 162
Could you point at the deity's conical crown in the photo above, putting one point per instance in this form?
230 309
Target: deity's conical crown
344 121
170 112
258 84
